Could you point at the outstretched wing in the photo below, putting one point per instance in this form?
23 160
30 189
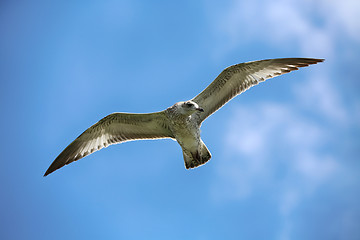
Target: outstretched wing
112 129
240 77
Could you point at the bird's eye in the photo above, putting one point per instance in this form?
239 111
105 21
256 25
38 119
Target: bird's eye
189 104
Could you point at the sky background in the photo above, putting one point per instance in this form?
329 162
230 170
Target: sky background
285 154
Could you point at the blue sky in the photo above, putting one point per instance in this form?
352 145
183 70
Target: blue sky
285 154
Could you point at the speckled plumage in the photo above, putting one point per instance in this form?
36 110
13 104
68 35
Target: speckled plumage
181 121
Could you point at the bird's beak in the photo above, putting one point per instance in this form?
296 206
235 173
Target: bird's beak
200 109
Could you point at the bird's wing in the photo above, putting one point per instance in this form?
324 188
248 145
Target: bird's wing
112 129
238 78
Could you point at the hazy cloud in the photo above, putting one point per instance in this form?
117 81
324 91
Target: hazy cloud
265 137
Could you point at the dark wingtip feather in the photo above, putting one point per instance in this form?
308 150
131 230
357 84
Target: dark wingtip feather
47 172
316 60
67 156
319 59
53 167
50 169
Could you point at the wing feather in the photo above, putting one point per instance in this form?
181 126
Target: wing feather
112 129
238 78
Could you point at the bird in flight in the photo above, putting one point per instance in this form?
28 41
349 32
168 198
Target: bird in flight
181 121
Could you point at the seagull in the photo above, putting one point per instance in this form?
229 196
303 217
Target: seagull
182 121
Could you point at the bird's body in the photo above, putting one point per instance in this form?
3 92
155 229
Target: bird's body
186 130
181 121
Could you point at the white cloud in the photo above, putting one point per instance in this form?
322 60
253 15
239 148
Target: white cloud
315 169
252 128
281 23
290 24
318 94
343 16
265 135
262 136
315 27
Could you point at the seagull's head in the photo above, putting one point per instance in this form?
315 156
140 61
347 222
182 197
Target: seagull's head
188 107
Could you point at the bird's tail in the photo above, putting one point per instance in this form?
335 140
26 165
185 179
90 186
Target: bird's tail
197 158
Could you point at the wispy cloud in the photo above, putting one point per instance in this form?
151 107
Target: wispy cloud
265 138
318 94
288 23
266 134
342 15
300 138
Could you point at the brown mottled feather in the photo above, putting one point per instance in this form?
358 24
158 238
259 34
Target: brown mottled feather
240 77
112 129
